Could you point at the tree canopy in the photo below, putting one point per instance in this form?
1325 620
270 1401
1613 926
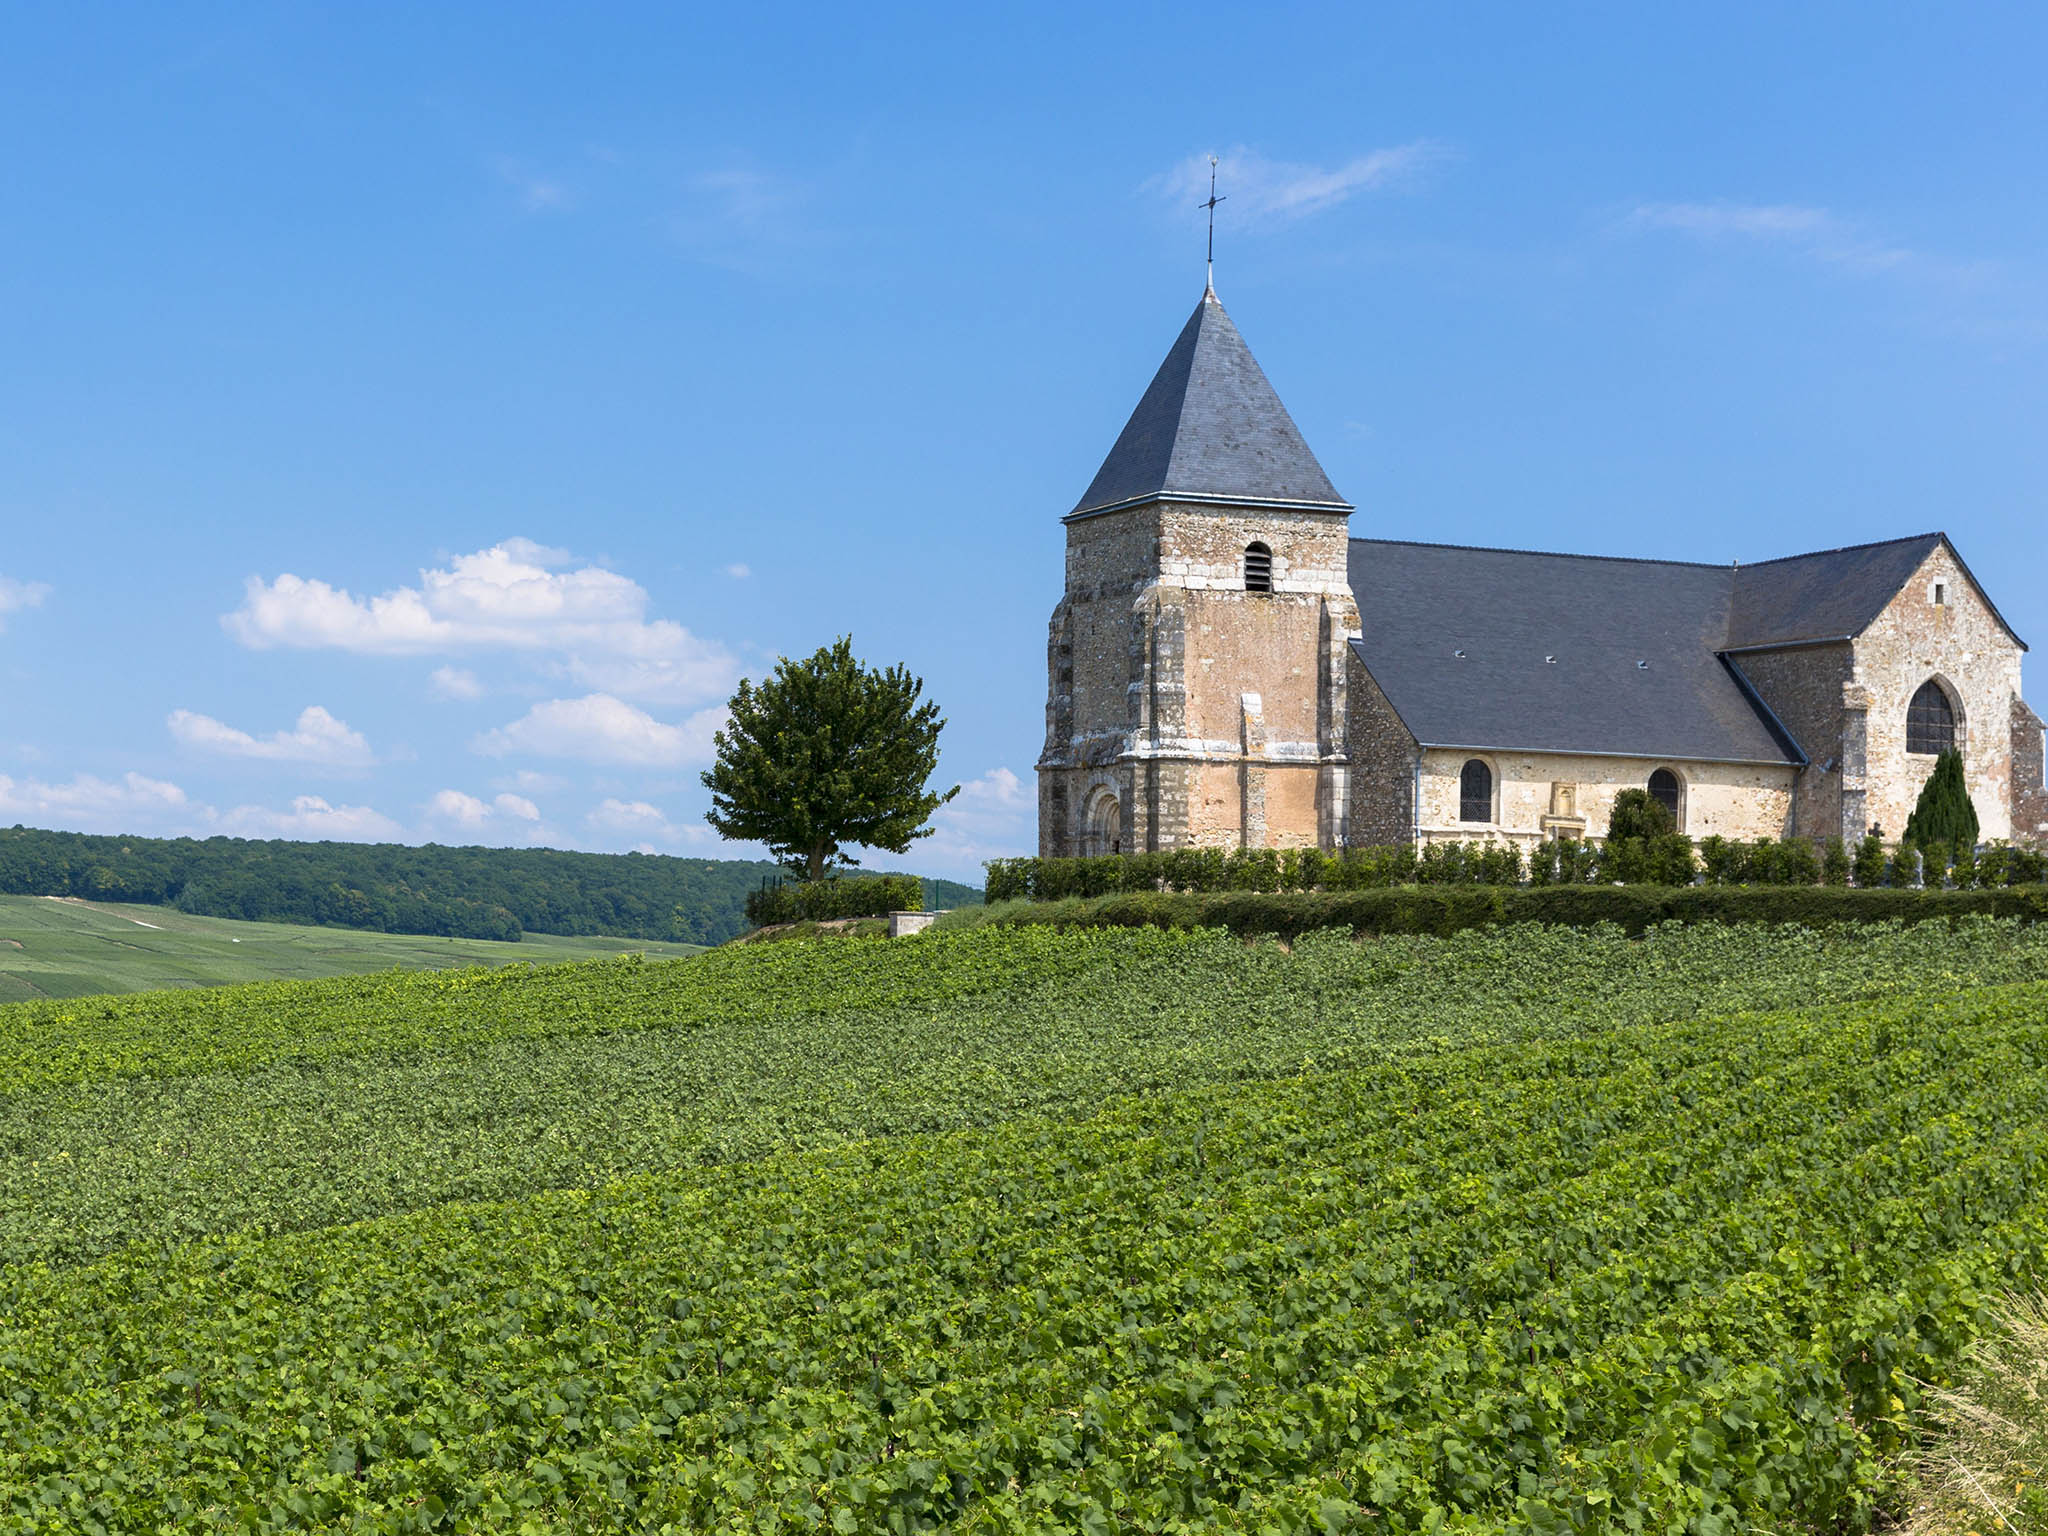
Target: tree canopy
1638 813
824 755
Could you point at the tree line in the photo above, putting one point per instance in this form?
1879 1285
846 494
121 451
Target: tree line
488 893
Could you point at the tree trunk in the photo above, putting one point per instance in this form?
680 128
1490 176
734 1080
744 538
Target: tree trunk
817 857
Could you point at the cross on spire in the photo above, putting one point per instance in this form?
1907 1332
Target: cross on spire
1211 206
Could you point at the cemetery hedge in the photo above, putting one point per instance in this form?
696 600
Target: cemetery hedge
1451 909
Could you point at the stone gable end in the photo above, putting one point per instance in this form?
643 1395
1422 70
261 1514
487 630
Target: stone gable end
1959 642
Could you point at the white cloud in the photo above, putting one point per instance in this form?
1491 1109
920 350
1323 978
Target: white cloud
739 571
1814 231
311 817
992 817
452 805
587 624
602 729
318 738
1259 191
455 683
16 596
630 816
87 803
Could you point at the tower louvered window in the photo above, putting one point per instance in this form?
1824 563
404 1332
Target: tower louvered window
1258 568
1475 792
1930 721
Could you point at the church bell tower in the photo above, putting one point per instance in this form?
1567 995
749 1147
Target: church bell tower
1196 663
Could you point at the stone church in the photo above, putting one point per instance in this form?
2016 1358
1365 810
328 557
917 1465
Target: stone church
1229 667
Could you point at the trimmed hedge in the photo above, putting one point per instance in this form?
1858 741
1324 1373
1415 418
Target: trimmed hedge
1443 911
824 901
1668 860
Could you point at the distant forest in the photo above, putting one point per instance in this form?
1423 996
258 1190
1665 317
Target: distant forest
478 893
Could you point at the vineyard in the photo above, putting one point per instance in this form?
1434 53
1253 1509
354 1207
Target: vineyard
1022 1229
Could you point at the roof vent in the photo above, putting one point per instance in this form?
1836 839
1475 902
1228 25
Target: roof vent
1642 666
1459 654
1550 661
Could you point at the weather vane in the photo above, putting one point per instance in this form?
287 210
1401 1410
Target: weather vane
1211 206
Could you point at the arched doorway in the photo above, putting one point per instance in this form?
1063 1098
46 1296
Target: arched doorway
1105 823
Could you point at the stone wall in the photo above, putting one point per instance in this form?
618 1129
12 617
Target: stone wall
2029 777
1960 644
1730 800
1803 685
1220 709
1383 768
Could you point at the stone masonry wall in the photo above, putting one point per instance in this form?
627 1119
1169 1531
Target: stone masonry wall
1959 644
1384 758
1803 685
1731 800
1218 710
2029 777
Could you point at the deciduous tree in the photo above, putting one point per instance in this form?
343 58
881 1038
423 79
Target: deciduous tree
827 754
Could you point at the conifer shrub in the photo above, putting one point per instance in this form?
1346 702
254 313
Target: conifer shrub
1835 863
1944 813
1869 870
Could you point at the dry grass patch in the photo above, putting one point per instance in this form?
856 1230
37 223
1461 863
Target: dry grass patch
1988 1472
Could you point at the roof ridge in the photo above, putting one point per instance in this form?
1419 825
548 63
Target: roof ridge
1848 549
1547 554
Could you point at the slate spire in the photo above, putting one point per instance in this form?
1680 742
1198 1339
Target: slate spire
1210 428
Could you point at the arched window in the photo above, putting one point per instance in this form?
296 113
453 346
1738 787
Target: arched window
1930 720
1475 792
1258 567
1664 790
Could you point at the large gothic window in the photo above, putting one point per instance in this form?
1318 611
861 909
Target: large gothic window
1664 790
1930 721
1475 792
1258 567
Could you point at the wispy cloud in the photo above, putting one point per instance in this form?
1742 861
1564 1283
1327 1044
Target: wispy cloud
317 738
1259 191
536 192
1815 232
18 595
739 571
456 683
744 218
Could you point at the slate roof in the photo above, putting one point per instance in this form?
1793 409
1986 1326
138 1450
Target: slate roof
1210 428
1635 670
1830 595
1587 654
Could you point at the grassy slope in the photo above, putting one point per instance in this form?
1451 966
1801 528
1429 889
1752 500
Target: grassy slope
76 949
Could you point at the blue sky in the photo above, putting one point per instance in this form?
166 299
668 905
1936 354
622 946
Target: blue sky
414 419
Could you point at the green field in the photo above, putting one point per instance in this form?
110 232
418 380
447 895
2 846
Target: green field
53 948
1023 1230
